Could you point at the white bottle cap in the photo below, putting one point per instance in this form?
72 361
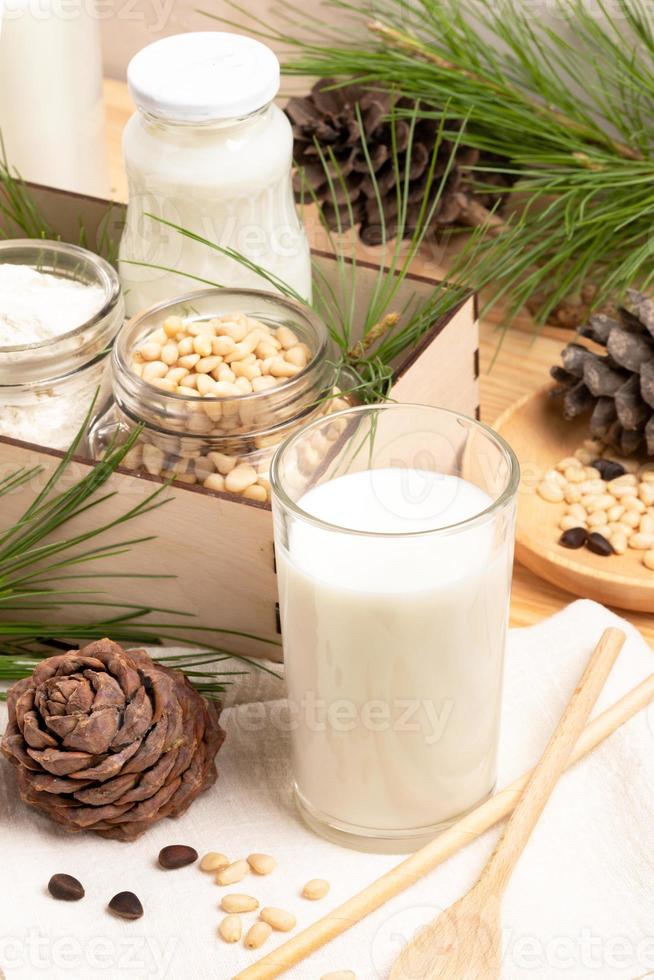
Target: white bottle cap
197 77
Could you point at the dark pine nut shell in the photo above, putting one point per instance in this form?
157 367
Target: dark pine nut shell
599 545
608 469
575 537
177 856
66 888
126 905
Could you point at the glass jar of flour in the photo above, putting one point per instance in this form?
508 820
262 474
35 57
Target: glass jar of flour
210 152
60 310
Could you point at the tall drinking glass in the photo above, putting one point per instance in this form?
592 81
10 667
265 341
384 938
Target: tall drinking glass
394 531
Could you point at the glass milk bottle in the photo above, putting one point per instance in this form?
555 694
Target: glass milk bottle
209 151
51 109
394 529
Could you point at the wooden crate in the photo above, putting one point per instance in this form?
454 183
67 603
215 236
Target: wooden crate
220 549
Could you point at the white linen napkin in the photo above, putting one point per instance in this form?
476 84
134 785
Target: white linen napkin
580 904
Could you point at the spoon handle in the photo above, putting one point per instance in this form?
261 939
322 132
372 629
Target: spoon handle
552 763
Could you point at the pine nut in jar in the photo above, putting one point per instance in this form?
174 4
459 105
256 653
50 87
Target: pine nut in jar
200 428
60 310
209 151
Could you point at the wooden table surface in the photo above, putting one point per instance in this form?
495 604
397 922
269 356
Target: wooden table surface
518 366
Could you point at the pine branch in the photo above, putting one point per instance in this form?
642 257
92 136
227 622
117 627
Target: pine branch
570 106
404 42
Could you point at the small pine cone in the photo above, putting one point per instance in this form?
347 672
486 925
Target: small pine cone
110 741
616 388
330 117
573 311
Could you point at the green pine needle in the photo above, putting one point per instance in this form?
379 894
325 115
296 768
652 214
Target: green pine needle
571 107
38 550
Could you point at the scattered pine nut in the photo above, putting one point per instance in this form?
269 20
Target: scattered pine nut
648 560
262 864
231 928
279 919
233 873
315 889
239 903
258 934
213 861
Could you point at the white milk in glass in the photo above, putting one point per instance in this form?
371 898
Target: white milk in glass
394 647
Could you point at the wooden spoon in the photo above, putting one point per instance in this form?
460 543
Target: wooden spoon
464 942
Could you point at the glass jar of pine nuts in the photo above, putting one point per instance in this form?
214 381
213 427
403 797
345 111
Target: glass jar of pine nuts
218 379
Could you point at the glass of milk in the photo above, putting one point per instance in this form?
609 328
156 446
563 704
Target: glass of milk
394 531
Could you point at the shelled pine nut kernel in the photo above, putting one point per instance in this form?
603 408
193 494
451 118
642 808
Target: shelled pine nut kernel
257 935
239 903
315 889
211 364
608 503
233 873
280 919
221 350
262 864
213 861
231 928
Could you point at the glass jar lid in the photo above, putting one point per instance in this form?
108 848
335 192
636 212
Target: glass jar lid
203 76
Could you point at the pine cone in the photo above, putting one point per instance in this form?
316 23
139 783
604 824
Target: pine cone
573 311
330 118
618 388
110 741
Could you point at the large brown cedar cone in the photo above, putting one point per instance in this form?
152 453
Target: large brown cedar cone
110 741
617 388
329 117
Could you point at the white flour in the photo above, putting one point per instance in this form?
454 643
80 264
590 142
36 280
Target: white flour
36 306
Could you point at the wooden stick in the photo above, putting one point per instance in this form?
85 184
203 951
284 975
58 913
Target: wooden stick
414 867
553 762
